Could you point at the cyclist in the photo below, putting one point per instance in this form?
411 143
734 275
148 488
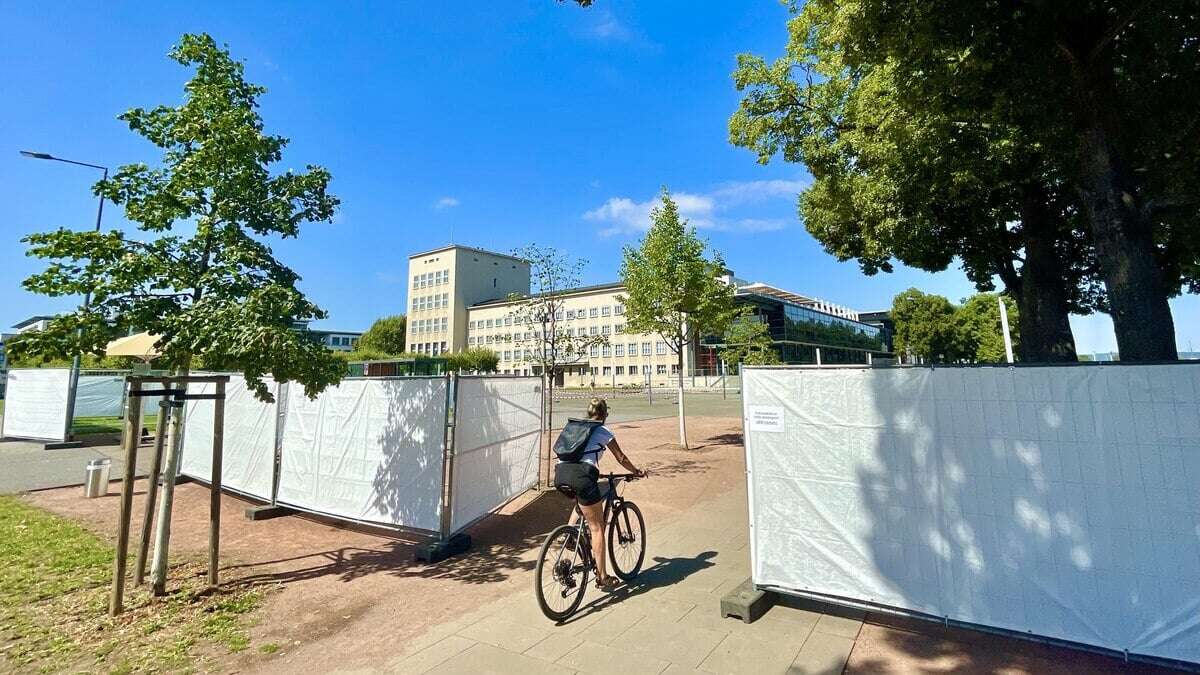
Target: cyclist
583 478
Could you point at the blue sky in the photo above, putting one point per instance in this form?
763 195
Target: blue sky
492 124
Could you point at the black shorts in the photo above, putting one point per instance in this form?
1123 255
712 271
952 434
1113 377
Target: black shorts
582 478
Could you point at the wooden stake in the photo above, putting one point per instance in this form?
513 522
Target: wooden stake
160 433
162 529
214 504
132 434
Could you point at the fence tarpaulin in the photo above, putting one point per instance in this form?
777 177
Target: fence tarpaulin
1057 501
248 459
368 449
497 426
100 396
35 403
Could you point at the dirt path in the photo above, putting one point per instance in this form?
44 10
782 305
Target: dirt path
355 599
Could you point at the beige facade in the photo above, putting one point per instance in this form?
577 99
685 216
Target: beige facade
445 282
626 359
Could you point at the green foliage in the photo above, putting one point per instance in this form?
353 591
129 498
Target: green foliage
386 335
925 327
748 342
671 287
978 323
198 273
473 360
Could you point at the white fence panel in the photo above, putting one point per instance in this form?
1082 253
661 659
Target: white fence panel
368 449
35 403
497 429
100 396
248 463
1058 501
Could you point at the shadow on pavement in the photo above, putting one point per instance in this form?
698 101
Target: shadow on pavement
663 573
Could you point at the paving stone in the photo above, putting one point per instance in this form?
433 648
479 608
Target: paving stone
554 647
612 624
836 625
484 659
822 654
671 641
501 631
433 655
592 657
676 669
739 653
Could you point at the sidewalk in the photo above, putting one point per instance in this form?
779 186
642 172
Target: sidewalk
667 621
25 465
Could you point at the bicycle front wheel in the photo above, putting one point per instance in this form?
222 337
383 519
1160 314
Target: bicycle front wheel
627 541
562 573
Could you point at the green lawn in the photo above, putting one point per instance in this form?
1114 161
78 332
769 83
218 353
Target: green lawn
54 578
84 426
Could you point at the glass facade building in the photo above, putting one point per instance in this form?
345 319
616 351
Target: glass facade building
798 332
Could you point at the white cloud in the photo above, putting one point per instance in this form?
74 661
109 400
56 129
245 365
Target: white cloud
704 211
445 203
608 27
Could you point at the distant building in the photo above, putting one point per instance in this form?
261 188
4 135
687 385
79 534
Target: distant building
881 319
337 340
462 297
33 323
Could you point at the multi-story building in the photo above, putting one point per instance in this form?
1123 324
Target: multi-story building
445 282
465 297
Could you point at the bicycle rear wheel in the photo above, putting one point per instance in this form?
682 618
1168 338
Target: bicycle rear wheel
627 541
562 573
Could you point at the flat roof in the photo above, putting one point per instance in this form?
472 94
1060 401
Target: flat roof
466 248
31 320
581 290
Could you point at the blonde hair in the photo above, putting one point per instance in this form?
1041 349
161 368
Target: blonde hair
597 409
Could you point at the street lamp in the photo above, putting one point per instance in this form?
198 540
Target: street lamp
87 298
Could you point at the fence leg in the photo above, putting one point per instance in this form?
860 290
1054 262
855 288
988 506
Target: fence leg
132 434
160 432
214 503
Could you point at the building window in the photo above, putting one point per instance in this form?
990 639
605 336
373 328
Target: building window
595 350
619 328
507 355
645 349
604 311
445 299
605 330
674 368
446 276
661 369
445 322
414 304
646 369
471 340
508 321
489 325
620 370
632 349
660 348
619 310
606 370
605 351
593 312
570 314
618 350
416 282
593 330
490 339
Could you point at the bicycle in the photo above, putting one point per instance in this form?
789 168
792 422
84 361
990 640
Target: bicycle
566 556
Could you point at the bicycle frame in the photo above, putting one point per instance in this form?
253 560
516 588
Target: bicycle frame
612 500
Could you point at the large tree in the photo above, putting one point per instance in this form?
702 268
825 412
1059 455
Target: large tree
385 336
925 328
672 288
981 330
924 187
1110 89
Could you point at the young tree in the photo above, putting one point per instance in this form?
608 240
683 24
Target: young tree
925 328
473 360
672 289
540 334
981 331
749 342
198 273
386 335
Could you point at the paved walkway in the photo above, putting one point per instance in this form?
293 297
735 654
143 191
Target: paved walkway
25 465
667 621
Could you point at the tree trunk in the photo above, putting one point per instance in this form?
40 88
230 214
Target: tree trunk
682 427
1122 234
1124 241
1041 297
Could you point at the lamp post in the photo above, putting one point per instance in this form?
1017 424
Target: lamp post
87 298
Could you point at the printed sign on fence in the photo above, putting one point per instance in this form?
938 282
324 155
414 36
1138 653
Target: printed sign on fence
767 418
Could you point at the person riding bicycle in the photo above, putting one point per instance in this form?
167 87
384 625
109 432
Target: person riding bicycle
582 477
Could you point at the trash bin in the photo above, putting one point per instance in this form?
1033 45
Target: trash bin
95 480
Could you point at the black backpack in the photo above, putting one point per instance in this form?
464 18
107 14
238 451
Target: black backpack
572 442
